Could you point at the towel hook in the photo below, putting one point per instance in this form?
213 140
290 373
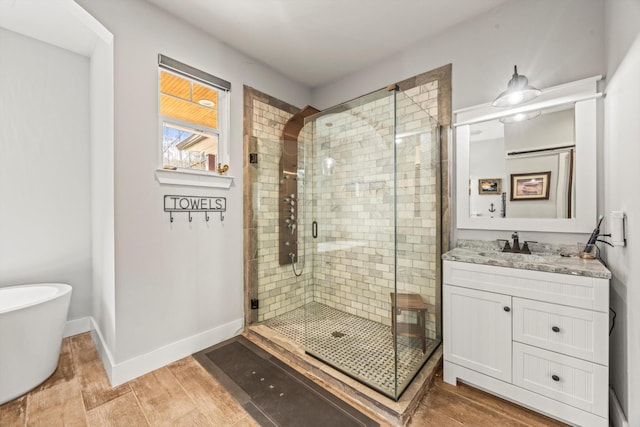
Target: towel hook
171 216
221 216
190 219
206 216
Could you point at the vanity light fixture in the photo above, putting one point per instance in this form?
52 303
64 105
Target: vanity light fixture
518 91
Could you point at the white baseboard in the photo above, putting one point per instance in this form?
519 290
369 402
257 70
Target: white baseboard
77 326
103 351
122 372
617 418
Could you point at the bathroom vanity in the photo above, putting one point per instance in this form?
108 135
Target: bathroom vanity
533 329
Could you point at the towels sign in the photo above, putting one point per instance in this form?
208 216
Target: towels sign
194 204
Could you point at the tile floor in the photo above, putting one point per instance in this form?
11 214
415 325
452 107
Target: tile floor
359 347
184 394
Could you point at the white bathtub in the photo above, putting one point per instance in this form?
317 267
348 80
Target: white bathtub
32 320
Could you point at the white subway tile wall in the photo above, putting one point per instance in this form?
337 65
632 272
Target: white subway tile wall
279 291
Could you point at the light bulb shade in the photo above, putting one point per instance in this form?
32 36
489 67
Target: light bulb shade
518 91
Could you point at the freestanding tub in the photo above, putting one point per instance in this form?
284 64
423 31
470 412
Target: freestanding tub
32 320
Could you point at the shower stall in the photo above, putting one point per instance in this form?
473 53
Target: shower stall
355 276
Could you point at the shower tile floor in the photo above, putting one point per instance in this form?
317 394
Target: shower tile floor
359 347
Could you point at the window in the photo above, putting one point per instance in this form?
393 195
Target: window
194 115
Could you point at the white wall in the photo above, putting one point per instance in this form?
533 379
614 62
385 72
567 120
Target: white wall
621 152
174 281
102 189
45 212
551 41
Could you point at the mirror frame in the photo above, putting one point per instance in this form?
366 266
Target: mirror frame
584 94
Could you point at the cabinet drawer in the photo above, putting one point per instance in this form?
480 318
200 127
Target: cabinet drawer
566 379
571 331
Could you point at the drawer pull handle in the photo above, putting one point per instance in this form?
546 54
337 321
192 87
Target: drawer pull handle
507 309
555 377
555 329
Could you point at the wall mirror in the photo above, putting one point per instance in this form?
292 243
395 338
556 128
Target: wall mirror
531 168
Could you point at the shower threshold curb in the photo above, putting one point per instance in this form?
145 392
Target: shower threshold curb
397 413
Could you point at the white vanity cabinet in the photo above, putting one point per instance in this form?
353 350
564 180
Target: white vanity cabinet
537 338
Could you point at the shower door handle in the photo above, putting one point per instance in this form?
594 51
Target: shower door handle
314 229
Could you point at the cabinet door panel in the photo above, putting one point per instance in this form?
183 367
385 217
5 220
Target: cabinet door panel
477 331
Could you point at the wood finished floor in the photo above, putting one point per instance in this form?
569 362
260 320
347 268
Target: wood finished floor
184 394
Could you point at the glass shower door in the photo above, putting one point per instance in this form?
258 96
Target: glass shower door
417 233
369 243
352 185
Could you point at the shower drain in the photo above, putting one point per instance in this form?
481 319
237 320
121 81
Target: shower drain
337 334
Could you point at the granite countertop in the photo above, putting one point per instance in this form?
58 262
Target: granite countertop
562 259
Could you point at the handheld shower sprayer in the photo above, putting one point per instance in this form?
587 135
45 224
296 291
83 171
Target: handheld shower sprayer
293 265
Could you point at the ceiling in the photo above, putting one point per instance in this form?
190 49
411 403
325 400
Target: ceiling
317 41
313 42
56 22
